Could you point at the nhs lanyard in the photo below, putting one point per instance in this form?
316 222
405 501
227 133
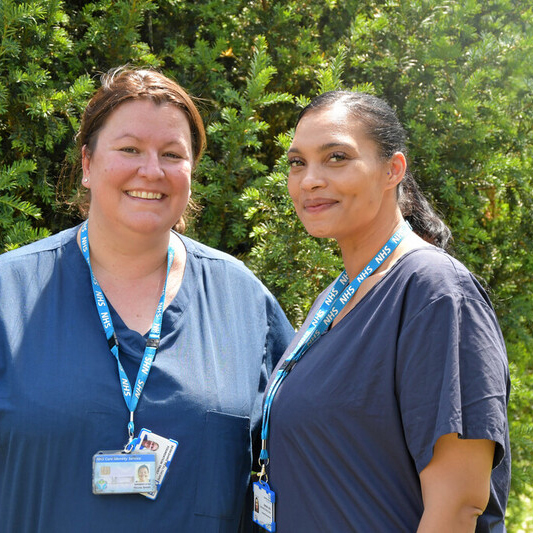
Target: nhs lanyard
337 298
130 397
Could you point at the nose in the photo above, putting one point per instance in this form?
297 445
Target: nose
151 168
312 178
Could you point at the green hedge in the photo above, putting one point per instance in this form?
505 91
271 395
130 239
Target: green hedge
459 74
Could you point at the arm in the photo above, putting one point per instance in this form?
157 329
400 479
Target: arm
456 484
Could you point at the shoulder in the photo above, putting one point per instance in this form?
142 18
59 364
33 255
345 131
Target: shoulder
24 255
433 273
222 275
217 261
27 271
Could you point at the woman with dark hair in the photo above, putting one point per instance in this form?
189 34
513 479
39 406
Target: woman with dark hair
143 474
122 323
388 410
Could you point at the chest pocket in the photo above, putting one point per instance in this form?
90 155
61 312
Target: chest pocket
224 467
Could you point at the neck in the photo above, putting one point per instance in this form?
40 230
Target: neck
128 257
362 248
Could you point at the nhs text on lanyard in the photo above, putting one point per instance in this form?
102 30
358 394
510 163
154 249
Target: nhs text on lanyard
130 397
334 303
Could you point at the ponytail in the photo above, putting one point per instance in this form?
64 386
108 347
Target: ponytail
418 212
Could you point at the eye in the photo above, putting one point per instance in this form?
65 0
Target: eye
337 156
295 162
129 150
172 155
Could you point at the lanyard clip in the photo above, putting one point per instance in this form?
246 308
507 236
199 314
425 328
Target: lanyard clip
263 474
263 462
131 432
112 341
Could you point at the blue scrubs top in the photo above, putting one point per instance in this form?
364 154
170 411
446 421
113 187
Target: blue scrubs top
356 420
61 402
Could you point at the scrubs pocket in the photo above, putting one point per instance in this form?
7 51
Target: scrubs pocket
224 467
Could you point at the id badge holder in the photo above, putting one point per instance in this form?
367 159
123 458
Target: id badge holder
163 449
118 472
264 506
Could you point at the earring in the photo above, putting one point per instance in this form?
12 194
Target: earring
85 180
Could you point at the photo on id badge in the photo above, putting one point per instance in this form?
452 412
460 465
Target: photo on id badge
264 501
116 472
163 449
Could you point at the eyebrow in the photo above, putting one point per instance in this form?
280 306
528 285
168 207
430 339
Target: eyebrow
322 148
137 138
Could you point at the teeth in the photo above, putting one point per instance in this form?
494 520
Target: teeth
146 195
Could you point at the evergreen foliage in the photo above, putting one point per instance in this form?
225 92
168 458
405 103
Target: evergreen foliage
458 73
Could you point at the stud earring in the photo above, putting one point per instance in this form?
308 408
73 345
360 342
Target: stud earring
85 180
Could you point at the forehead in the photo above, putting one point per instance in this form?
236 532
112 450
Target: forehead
138 114
328 125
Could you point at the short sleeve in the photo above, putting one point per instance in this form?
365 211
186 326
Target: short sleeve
278 336
452 376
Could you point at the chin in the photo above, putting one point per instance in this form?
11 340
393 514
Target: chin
319 233
149 227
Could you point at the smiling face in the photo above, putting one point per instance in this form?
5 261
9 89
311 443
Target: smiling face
339 184
139 169
143 474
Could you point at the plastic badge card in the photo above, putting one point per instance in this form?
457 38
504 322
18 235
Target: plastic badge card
264 502
116 472
164 452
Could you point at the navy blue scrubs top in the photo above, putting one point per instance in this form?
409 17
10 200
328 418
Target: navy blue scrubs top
355 422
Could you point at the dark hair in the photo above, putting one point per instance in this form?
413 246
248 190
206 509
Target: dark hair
120 85
384 128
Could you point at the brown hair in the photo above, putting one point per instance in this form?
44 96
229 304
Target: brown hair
120 85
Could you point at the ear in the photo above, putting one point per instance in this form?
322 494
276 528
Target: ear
85 165
396 170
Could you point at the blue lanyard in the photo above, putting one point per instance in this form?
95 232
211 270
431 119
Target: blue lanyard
337 298
130 397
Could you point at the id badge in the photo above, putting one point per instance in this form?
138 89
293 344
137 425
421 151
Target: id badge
117 472
264 506
164 452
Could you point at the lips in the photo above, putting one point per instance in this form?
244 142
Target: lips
145 195
314 204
